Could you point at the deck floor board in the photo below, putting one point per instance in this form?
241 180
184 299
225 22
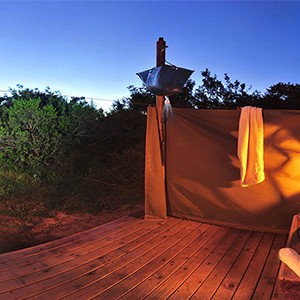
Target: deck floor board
132 258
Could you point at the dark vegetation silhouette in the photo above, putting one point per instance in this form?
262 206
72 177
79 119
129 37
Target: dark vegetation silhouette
75 157
218 94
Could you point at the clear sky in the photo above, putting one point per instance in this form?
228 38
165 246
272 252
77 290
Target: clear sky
94 48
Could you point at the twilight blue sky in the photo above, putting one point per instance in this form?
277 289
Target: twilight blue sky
94 48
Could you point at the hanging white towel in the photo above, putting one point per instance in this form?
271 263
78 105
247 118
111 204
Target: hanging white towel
251 146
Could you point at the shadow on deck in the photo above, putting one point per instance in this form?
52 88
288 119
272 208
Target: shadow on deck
132 258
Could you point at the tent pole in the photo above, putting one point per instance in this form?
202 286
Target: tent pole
160 61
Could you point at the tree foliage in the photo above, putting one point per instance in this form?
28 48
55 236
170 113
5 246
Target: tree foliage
38 131
185 98
73 146
97 157
138 101
282 95
214 93
218 94
31 136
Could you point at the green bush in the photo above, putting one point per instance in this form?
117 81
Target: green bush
31 137
68 154
36 138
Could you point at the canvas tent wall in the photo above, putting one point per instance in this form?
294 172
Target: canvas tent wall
201 180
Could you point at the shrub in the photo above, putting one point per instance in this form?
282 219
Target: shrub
31 137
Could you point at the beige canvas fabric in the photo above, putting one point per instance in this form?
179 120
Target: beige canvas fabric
203 171
155 196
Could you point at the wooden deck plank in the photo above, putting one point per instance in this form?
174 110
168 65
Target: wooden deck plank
203 267
196 237
265 286
57 247
235 275
67 282
138 259
101 229
86 264
251 277
206 243
213 281
88 242
115 275
114 241
111 250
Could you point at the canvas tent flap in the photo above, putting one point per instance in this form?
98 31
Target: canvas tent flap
202 169
155 196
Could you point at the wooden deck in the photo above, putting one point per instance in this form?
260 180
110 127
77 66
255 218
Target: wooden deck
132 258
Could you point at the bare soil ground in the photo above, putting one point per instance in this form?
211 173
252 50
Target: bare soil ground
17 233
